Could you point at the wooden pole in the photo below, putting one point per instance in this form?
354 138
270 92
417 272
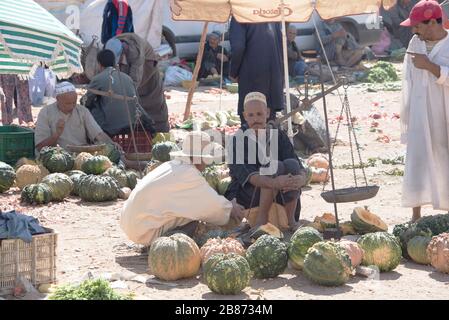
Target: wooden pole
199 58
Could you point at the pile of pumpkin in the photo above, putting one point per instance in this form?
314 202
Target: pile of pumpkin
58 174
227 267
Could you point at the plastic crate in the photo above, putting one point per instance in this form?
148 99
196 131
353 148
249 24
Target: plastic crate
15 143
35 261
143 142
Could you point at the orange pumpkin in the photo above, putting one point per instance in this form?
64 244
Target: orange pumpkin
354 251
175 257
318 160
218 245
438 252
319 175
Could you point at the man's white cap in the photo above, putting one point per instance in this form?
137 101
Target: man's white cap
64 87
255 96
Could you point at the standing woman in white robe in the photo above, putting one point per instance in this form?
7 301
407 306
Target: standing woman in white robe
425 111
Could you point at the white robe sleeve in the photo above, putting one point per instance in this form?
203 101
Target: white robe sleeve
444 76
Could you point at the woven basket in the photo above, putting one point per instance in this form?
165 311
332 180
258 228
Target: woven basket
35 261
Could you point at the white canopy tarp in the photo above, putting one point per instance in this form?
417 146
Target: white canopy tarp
147 17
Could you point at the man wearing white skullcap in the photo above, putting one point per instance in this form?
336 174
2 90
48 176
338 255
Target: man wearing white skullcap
252 185
67 123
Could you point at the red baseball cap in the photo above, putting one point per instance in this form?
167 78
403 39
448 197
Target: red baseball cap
423 11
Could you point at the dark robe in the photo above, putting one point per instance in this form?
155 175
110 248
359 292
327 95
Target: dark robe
257 61
210 61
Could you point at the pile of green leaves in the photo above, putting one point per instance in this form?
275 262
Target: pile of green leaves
97 289
382 72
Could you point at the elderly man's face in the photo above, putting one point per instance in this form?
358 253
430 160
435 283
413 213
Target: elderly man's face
256 115
67 101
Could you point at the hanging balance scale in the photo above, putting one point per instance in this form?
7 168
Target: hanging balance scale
350 194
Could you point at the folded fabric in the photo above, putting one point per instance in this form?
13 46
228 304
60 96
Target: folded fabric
14 225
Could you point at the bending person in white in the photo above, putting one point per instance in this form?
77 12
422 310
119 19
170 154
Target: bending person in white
176 195
425 111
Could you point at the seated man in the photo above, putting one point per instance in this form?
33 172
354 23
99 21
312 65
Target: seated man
212 58
66 123
252 183
340 46
137 59
165 199
296 64
111 113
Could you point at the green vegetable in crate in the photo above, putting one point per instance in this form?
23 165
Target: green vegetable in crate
161 137
76 176
98 188
96 165
36 194
56 159
417 249
60 184
227 273
381 249
96 289
303 239
161 151
174 257
267 257
112 152
7 177
212 176
327 263
223 185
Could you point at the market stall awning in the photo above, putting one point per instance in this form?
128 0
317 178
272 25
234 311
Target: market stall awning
252 11
29 34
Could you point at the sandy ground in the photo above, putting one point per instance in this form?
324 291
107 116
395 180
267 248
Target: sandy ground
90 238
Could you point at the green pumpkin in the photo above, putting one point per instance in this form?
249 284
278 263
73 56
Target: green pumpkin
364 221
119 175
227 273
436 224
327 263
303 239
7 177
381 249
112 152
407 231
96 165
36 194
98 188
76 176
267 257
161 151
56 159
417 249
60 184
131 178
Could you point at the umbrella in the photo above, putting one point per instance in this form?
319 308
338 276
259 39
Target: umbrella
29 35
259 11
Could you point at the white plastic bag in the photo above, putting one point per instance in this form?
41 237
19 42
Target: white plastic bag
174 76
50 83
37 86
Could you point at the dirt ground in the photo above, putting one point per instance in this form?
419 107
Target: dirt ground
90 239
